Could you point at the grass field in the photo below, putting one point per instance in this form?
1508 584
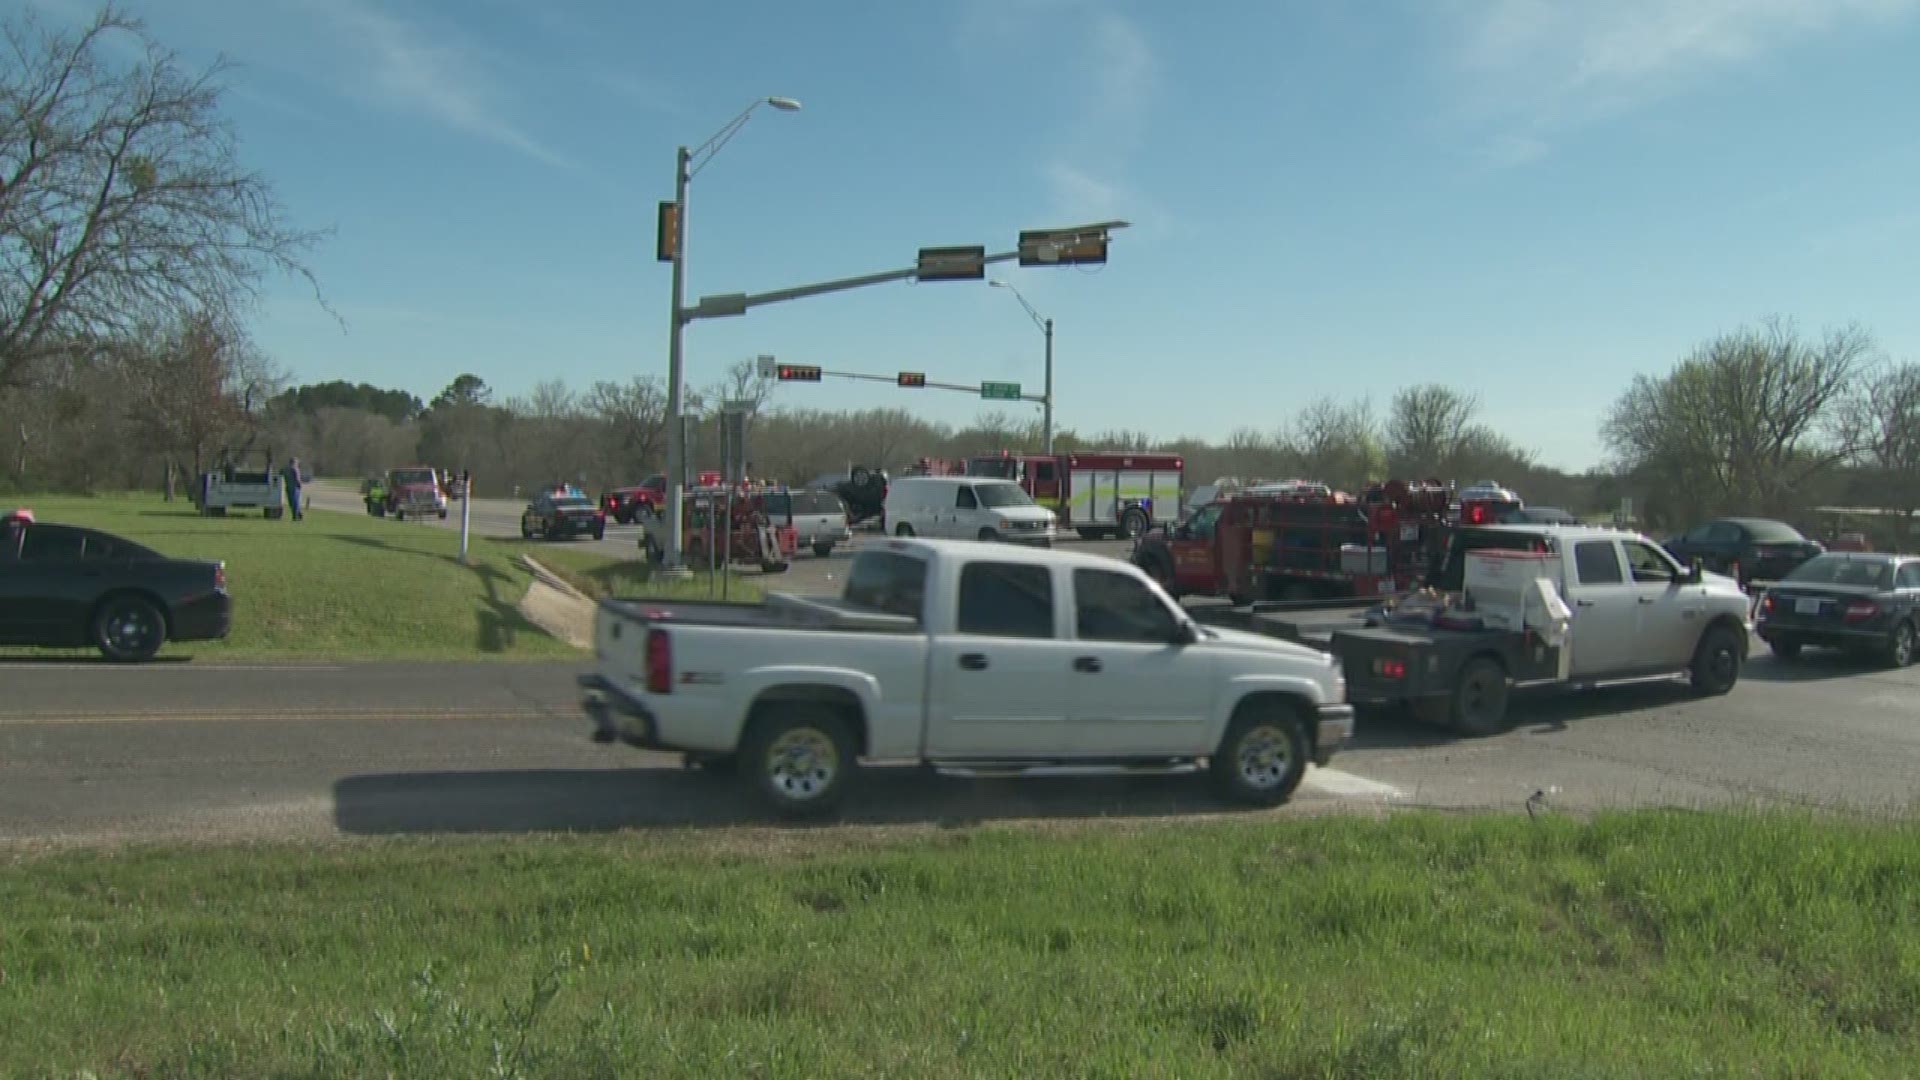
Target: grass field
1648 945
347 586
598 576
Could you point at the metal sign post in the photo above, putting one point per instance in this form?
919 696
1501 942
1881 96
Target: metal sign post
466 511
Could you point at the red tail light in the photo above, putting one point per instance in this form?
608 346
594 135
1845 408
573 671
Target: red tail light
1861 611
1766 602
659 662
1390 669
1476 515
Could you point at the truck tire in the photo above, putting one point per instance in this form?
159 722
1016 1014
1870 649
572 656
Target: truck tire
1262 757
1785 648
822 551
1133 523
904 530
1478 707
128 628
799 757
860 476
1716 662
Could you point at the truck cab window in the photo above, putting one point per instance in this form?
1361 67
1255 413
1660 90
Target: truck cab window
964 499
1115 607
1909 576
1043 472
884 581
1202 524
1006 600
1647 565
1597 563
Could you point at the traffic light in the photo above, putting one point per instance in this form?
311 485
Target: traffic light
913 378
797 372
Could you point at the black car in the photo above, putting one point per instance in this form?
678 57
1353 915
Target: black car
1764 550
553 516
66 587
1861 601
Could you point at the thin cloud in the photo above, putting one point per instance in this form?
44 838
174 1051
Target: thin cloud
401 66
1553 64
1117 79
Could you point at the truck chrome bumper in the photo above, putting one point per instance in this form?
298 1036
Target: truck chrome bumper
1336 727
616 716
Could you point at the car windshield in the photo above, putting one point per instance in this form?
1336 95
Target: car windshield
1773 532
999 495
413 476
1841 570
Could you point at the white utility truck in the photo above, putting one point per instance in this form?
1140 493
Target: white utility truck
975 659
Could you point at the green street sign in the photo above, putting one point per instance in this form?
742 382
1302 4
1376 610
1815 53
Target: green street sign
1000 391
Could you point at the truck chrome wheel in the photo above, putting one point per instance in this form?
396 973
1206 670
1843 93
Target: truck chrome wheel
802 763
1265 758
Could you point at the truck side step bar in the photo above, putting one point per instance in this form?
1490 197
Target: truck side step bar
998 770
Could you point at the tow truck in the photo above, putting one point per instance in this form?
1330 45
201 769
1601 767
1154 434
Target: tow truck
1108 493
1521 606
1302 542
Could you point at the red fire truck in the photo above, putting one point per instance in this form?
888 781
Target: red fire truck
750 538
1109 493
1303 546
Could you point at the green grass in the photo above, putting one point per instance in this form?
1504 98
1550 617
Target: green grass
598 576
343 586
1643 945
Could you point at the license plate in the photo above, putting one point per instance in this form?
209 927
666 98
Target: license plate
1807 606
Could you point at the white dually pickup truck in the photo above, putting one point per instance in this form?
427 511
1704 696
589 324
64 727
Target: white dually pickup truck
976 659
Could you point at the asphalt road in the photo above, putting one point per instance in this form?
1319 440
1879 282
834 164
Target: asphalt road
807 575
92 752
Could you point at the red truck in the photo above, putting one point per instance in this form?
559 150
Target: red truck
1109 493
1303 546
750 537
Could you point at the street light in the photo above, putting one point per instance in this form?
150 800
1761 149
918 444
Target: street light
1046 327
687 164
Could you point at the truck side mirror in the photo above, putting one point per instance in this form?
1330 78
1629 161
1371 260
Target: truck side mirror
1694 572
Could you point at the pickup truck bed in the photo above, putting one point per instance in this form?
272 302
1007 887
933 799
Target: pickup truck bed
779 611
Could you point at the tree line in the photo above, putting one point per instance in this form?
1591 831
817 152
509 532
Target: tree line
133 242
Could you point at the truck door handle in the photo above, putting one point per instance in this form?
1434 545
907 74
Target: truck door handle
1646 599
1086 663
973 661
1583 603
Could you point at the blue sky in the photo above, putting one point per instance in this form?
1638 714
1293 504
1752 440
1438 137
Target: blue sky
1529 199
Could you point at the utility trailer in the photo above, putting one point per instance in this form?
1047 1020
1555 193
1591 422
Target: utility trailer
230 487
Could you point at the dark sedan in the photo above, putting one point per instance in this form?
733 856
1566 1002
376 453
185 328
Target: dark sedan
1861 601
553 517
66 587
1764 550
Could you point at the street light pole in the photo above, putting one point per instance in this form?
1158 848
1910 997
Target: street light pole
1046 327
676 427
684 168
1046 407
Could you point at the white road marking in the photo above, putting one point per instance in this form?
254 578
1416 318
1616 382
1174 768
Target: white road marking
1335 782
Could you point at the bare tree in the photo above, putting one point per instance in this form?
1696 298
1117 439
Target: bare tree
636 413
121 196
744 384
1427 426
1882 420
1336 443
1743 422
201 388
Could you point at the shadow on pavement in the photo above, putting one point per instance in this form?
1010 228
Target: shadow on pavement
1538 711
1812 665
596 800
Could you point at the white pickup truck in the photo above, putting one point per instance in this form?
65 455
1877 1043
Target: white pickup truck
976 659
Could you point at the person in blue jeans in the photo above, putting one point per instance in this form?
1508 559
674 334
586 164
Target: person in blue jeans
291 476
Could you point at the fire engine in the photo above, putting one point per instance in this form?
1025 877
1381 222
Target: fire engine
1304 545
750 538
1486 502
1109 493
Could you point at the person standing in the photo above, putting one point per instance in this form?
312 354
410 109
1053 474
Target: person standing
291 476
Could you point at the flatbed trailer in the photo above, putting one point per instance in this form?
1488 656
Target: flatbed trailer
1457 678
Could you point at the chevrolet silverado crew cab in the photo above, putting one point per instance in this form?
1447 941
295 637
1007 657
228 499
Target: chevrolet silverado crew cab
972 659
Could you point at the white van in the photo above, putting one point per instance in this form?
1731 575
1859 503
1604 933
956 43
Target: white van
966 508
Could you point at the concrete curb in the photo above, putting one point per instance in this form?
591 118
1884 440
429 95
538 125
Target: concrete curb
553 580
